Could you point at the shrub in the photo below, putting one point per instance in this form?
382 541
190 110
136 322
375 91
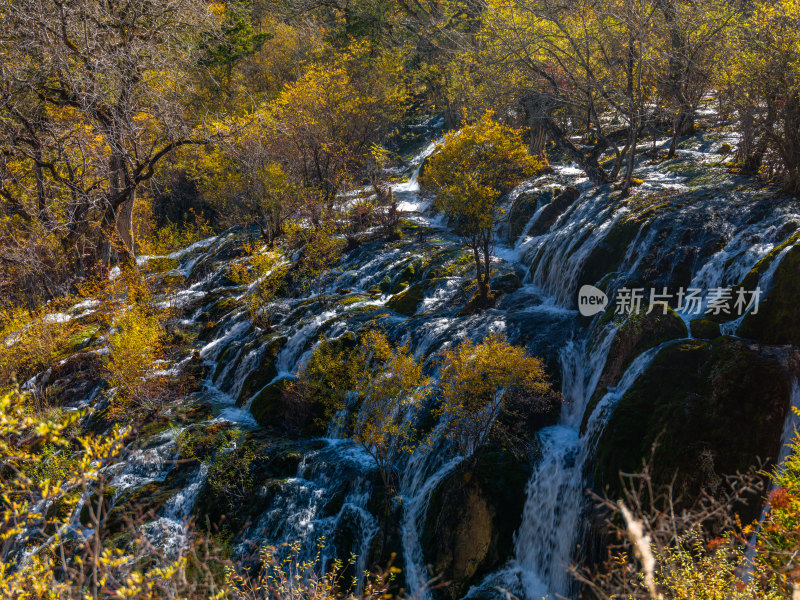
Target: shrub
31 342
134 345
479 381
264 272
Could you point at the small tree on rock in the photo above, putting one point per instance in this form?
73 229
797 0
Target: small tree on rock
469 173
479 382
390 387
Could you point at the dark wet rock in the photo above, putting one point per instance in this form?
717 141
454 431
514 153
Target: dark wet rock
505 283
610 252
76 380
472 517
638 333
778 318
708 409
264 373
705 329
554 210
288 410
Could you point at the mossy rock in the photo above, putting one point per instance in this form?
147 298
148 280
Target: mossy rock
266 404
471 519
505 283
399 287
218 309
522 209
161 264
639 333
407 302
266 371
778 319
705 329
385 285
708 408
610 251
554 210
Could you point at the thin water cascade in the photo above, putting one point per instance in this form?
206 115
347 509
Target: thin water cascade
551 519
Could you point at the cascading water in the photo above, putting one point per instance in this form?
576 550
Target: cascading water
330 492
551 522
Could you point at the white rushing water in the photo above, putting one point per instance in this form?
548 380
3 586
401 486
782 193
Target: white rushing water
331 490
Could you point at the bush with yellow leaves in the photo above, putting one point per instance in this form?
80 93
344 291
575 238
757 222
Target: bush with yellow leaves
264 272
285 575
53 540
32 341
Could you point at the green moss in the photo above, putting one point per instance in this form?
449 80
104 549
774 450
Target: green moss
708 409
778 319
407 302
399 287
750 280
203 441
161 264
705 329
354 299
265 406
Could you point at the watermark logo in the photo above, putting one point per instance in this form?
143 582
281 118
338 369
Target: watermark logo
591 300
689 301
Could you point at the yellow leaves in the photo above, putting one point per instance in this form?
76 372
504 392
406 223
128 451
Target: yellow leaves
476 382
472 168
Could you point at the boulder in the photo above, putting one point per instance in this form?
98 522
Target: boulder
505 283
778 320
705 329
471 519
638 333
407 302
703 409
555 209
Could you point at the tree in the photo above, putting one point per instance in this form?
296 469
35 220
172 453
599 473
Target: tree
764 82
93 96
469 173
479 382
237 39
320 250
389 388
243 179
327 121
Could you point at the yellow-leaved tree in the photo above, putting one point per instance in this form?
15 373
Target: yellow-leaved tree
470 172
479 382
390 385
764 83
53 538
327 121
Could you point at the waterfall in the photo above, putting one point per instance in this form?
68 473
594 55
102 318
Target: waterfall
418 486
551 519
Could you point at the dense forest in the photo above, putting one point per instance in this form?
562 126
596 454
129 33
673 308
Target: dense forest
293 299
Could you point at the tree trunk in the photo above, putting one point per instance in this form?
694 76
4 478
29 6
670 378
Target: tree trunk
124 223
589 164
